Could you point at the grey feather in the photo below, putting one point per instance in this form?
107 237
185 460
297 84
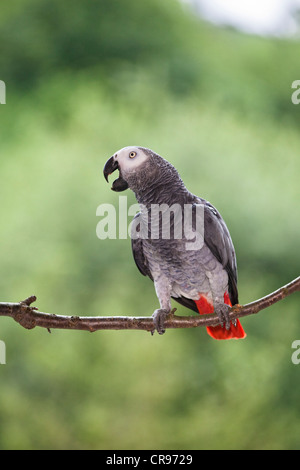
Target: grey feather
218 239
138 253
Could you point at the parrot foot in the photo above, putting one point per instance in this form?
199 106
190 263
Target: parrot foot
222 310
159 317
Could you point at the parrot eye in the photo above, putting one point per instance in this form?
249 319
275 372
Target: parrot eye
132 154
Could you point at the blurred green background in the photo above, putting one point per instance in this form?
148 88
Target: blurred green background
83 80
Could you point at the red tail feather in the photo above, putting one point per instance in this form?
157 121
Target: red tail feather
219 332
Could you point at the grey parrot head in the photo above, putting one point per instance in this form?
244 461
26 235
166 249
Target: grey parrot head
139 169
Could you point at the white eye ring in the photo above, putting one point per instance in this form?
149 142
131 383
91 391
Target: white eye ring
132 154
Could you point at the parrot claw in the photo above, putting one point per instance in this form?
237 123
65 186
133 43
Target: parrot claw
159 317
222 310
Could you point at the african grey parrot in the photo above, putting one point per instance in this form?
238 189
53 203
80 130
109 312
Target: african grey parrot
203 278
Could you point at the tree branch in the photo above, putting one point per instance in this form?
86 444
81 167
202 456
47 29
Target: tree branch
29 317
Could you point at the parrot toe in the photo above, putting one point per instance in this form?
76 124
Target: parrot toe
159 317
222 310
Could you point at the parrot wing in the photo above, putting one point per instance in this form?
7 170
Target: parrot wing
137 251
218 240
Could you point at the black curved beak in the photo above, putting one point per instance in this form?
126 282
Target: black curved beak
110 166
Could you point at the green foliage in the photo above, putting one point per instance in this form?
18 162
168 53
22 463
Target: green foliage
49 36
99 76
